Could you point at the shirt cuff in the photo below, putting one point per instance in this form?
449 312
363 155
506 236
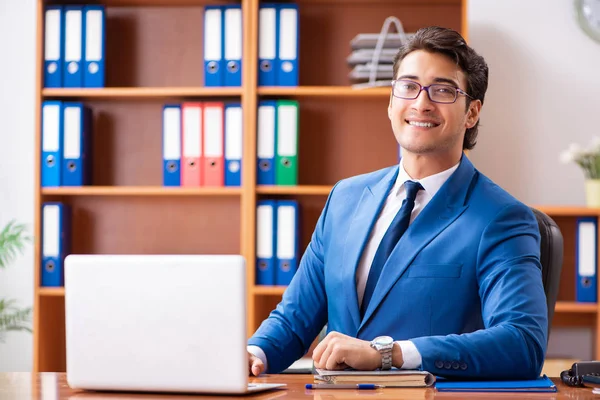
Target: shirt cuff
258 352
410 354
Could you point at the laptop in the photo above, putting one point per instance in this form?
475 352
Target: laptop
157 323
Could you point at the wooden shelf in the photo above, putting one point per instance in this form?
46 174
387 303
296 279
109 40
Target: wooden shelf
149 93
568 211
321 190
269 290
140 191
574 307
324 91
51 291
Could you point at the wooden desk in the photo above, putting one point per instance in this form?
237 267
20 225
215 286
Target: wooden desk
53 386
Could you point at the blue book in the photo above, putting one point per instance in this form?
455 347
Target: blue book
541 384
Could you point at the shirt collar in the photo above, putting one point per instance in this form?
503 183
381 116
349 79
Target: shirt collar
431 184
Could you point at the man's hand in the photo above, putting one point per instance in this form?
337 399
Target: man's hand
255 365
338 351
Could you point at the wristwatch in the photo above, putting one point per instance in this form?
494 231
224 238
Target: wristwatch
384 345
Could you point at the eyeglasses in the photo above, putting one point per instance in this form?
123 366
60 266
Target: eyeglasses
438 93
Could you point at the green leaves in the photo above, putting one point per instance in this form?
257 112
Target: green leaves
13 318
12 240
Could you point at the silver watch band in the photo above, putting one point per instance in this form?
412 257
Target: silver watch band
386 357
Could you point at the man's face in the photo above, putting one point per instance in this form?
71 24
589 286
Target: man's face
422 126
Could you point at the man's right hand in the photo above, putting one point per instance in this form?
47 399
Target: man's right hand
255 365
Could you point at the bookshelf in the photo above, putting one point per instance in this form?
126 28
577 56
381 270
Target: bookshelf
154 56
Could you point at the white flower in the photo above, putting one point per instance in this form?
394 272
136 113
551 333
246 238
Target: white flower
566 157
595 145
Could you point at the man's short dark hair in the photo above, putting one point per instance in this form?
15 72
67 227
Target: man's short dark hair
446 41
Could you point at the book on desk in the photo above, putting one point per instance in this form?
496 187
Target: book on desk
390 378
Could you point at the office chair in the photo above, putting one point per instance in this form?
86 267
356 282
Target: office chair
551 258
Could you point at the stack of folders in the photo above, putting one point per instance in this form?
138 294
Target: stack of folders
56 242
278 30
277 145
586 260
389 378
66 144
277 241
363 57
74 46
223 45
202 144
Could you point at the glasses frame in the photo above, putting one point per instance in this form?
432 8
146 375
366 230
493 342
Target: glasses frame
426 89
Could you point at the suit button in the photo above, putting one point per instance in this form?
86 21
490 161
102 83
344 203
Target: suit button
447 365
439 364
463 366
455 365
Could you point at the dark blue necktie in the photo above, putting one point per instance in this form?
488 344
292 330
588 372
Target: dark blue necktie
389 241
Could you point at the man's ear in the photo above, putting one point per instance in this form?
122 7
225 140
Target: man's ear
473 113
390 107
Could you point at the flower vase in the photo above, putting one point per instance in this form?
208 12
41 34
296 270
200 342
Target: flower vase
592 193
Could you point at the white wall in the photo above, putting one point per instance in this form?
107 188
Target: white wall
17 46
543 94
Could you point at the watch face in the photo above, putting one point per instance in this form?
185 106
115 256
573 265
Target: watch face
588 17
383 340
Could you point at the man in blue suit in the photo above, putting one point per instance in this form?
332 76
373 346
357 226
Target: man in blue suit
425 265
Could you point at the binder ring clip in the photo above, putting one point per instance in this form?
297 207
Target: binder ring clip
191 163
93 68
265 65
285 266
213 67
73 67
234 166
71 166
52 67
232 66
50 266
265 165
213 163
262 266
287 66
586 282
50 161
286 162
171 166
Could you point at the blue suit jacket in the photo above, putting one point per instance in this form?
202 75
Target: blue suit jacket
463 283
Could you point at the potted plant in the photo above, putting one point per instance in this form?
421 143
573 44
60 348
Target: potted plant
588 160
12 241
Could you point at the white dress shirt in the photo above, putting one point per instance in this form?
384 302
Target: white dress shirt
431 184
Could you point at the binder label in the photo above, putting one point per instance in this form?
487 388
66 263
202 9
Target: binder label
93 37
51 235
72 136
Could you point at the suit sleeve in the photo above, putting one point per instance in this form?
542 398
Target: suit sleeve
288 332
513 343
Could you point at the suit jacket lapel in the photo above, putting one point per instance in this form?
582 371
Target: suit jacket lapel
445 207
366 214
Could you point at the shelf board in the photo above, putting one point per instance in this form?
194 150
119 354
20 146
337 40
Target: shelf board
115 93
575 307
140 191
315 190
269 290
568 211
51 291
323 91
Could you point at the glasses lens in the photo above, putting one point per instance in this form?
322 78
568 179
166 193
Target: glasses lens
442 93
406 89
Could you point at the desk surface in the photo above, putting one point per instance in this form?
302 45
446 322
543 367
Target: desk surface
53 386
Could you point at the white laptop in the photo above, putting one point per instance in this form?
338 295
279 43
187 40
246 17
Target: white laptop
157 323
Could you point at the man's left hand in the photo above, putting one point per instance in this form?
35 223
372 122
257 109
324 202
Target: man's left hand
338 351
